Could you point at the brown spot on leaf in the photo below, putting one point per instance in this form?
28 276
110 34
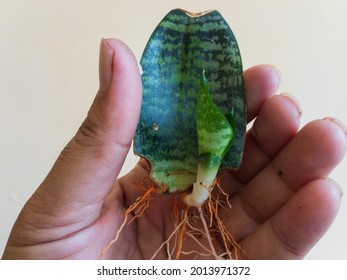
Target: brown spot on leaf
155 126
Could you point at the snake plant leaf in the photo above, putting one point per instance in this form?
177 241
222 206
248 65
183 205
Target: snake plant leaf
215 133
181 47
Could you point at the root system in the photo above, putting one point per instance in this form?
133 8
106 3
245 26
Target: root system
201 225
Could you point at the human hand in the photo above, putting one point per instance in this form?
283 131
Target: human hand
282 201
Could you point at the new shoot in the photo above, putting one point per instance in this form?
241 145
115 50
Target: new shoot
215 136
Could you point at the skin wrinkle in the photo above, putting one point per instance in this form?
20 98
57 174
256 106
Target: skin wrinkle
281 106
64 208
40 215
98 122
40 247
241 174
252 211
138 234
249 209
50 233
290 235
145 218
312 164
265 87
307 133
284 108
268 156
285 124
99 133
246 201
284 241
96 154
125 236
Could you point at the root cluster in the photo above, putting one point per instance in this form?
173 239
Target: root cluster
201 226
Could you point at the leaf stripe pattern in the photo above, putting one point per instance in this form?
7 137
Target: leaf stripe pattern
179 50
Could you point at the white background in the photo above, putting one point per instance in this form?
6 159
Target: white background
87 270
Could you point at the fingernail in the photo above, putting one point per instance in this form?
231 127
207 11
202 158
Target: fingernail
338 187
105 65
279 74
294 101
338 122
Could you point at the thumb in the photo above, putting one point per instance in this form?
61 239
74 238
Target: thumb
88 166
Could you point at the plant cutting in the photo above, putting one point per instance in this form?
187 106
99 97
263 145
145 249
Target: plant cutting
192 122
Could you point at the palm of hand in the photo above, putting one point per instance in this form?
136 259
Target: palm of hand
272 204
281 201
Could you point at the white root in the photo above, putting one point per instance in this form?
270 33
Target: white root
207 232
198 196
201 188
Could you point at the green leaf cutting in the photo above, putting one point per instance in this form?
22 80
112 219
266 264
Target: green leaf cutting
186 123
